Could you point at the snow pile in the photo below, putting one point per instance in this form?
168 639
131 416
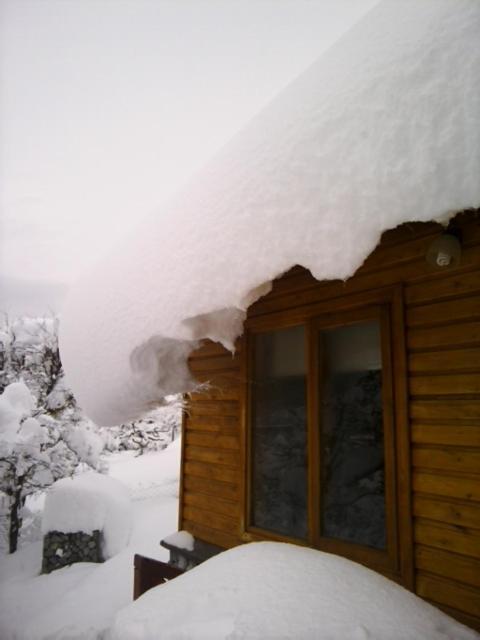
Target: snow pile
273 590
382 129
88 502
81 601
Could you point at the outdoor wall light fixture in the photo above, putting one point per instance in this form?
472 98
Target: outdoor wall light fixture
446 250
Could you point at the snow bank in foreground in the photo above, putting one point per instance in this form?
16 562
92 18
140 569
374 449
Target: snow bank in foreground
381 130
270 590
88 502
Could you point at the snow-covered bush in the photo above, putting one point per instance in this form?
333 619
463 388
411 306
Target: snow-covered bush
23 466
44 436
29 350
154 431
35 450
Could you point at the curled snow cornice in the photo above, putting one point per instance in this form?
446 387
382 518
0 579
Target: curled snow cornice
382 129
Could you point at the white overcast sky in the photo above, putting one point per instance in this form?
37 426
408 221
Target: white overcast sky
107 106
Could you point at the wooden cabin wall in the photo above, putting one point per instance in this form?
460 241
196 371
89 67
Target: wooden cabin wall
442 322
210 505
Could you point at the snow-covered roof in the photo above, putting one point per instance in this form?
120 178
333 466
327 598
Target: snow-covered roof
382 129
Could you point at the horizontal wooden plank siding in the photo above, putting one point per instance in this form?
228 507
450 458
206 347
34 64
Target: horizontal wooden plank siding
217 440
443 339
458 286
454 594
210 471
447 361
442 334
209 518
451 335
429 315
440 433
454 538
222 539
219 506
210 501
453 409
442 483
452 458
461 513
453 565
459 384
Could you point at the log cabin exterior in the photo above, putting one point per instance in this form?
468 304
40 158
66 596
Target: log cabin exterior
380 128
428 322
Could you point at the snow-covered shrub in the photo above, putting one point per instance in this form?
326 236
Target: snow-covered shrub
29 349
24 467
35 450
43 434
154 431
111 441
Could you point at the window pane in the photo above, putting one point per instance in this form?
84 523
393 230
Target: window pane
279 434
353 489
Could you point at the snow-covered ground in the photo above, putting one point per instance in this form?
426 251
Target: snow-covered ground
81 601
262 591
276 591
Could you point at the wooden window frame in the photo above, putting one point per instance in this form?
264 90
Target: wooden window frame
385 560
386 305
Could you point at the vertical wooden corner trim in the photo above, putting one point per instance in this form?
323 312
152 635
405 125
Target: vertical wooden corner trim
244 479
182 464
312 346
389 434
403 440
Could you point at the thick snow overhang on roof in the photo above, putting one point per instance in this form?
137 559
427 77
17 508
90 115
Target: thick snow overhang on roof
383 129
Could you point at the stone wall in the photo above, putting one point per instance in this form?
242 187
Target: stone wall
61 549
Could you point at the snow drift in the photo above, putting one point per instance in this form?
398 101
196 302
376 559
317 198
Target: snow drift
382 129
273 590
88 502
